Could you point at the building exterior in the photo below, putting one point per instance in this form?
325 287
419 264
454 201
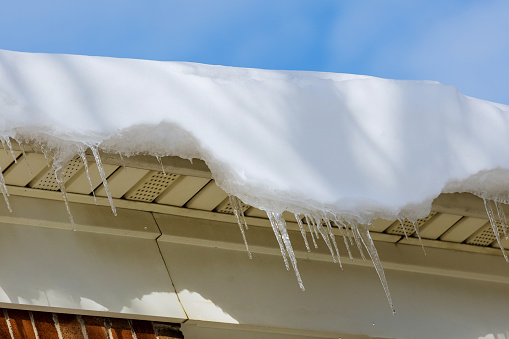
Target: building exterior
174 256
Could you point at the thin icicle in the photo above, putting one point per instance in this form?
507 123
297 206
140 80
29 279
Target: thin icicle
347 231
310 230
333 239
366 239
46 155
281 225
338 224
241 221
83 157
501 217
416 228
61 185
325 238
403 227
161 163
4 146
25 157
357 241
494 226
302 231
8 141
98 161
122 161
5 193
275 228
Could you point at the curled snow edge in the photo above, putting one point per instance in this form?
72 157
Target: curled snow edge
337 148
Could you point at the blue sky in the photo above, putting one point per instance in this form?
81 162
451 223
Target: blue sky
458 42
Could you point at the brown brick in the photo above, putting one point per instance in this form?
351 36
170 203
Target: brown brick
143 329
21 324
45 325
95 327
120 329
168 330
70 326
4 329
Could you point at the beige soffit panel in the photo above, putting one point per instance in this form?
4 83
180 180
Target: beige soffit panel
6 159
182 191
21 173
483 237
256 212
46 180
121 181
151 186
226 207
463 229
208 198
79 183
380 225
397 228
437 225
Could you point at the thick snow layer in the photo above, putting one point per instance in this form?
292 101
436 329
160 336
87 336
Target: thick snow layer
356 146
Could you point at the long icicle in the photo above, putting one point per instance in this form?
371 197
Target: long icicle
333 239
61 185
302 231
83 157
281 224
325 237
416 228
494 226
357 241
237 211
25 157
338 224
275 228
403 227
98 161
8 142
501 217
5 193
310 230
366 239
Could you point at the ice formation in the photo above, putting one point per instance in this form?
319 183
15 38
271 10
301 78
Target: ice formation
337 150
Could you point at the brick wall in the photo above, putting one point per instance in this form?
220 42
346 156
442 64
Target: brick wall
17 324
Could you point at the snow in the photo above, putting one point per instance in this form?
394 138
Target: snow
356 146
327 147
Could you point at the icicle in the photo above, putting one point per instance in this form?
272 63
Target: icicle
281 226
416 228
95 151
25 157
494 226
4 146
366 239
5 193
357 241
350 237
46 155
275 228
122 161
302 231
338 224
310 230
403 227
325 238
241 220
61 185
501 217
161 163
333 239
8 141
83 157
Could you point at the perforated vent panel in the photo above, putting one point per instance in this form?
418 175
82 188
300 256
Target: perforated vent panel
151 187
47 180
226 207
409 227
485 237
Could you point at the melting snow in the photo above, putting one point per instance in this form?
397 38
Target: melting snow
337 148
